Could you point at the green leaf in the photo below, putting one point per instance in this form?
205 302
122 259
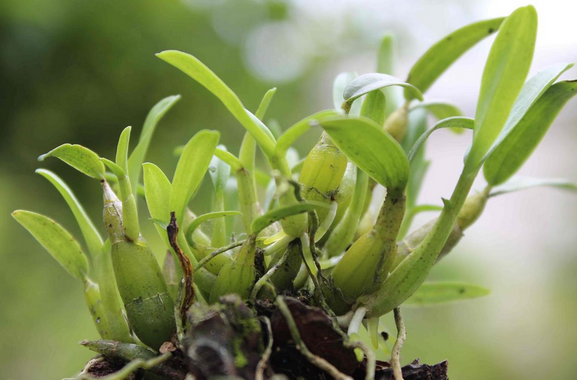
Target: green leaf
139 153
438 108
219 171
417 125
425 208
533 89
341 82
56 240
385 65
191 66
196 222
444 53
360 139
89 231
451 122
229 158
122 149
385 57
114 168
435 293
264 103
283 212
503 78
157 189
374 107
192 165
80 158
523 183
521 141
376 81
290 136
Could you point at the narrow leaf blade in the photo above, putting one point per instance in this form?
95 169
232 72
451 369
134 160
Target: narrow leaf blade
80 158
89 231
436 293
191 66
56 240
375 81
503 78
152 119
451 122
192 165
522 140
438 108
524 183
122 149
157 189
290 136
533 89
361 139
375 107
444 53
277 214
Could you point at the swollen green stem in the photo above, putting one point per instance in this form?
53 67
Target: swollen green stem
294 225
96 308
344 232
238 275
366 263
141 286
283 278
406 278
471 211
112 304
396 123
129 211
322 173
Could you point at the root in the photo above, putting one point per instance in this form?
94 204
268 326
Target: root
396 351
312 358
262 364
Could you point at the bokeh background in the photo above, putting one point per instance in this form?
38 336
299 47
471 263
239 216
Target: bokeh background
80 71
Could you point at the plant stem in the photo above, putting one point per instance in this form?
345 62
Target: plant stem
267 276
267 352
406 278
212 255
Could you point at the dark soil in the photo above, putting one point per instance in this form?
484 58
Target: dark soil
231 341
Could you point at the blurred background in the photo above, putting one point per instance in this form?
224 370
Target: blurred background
80 71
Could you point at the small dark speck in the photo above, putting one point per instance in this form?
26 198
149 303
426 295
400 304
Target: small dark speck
449 38
385 335
462 290
98 320
491 30
110 225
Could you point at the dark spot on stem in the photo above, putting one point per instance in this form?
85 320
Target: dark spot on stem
462 290
491 30
385 335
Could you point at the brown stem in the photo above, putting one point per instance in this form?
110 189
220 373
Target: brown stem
188 298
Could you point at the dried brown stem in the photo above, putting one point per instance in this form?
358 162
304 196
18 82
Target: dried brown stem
188 298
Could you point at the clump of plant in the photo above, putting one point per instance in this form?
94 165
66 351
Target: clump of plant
313 260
